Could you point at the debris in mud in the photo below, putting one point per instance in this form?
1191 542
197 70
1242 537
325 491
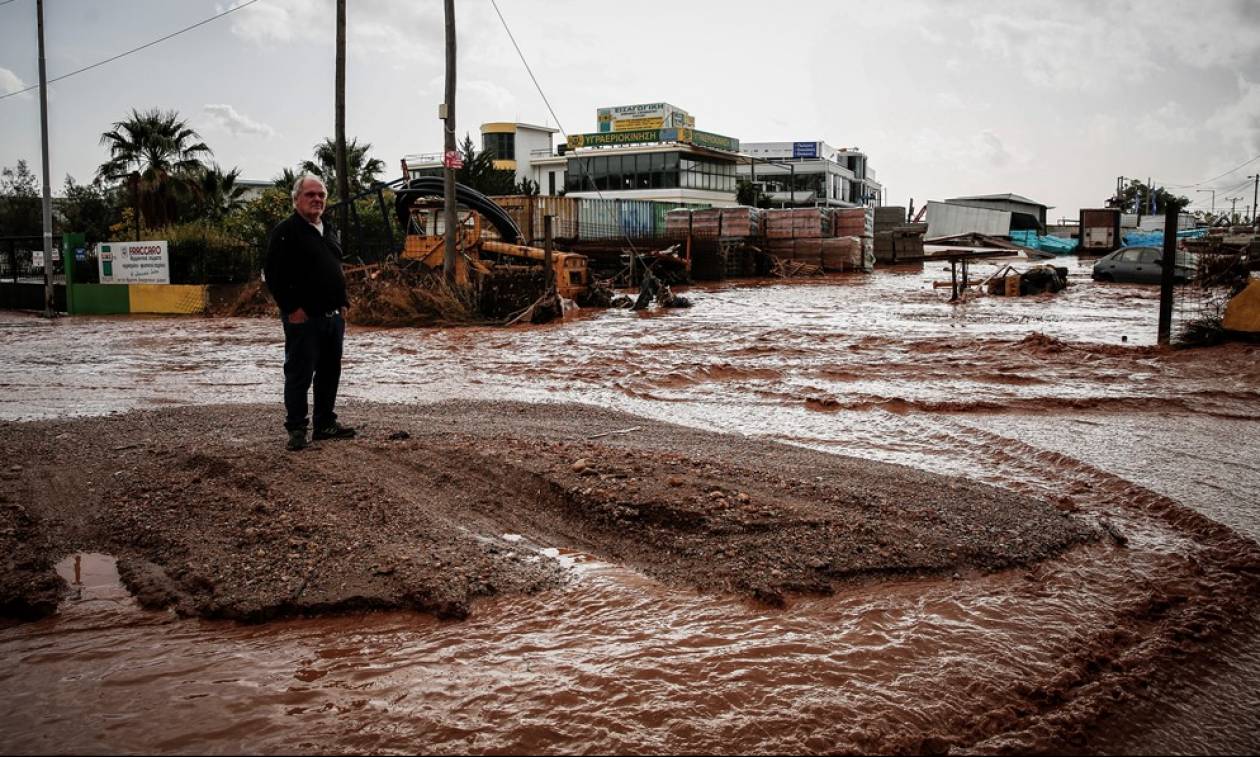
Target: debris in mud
1009 282
395 295
225 524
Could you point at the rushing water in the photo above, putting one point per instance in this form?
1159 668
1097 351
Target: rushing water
1055 395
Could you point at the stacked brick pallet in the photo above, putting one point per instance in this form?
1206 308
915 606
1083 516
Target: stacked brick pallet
678 223
742 222
853 222
798 223
845 254
857 227
706 223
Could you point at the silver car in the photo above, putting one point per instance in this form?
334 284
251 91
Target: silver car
1142 265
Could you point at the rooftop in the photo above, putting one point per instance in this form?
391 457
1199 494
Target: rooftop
1008 197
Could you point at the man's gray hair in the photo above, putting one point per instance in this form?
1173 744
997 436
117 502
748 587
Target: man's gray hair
297 185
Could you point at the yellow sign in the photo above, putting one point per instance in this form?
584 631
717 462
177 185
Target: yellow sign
635 124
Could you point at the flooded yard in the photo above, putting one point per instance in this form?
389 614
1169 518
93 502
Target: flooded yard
1139 642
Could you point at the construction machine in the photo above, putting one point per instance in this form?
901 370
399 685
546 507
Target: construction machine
486 236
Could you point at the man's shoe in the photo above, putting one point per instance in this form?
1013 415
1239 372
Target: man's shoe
297 440
334 431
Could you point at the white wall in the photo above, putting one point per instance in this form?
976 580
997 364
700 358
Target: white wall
946 220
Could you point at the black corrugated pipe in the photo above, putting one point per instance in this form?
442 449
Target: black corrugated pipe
431 186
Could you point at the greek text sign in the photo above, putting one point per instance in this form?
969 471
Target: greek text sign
134 263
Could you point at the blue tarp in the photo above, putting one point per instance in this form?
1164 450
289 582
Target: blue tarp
1057 245
1156 238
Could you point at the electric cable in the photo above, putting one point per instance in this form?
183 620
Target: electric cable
1214 178
585 175
133 50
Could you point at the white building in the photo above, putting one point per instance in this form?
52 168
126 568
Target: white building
811 174
651 152
516 147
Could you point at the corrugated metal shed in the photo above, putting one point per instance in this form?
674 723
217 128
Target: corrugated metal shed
1012 203
946 219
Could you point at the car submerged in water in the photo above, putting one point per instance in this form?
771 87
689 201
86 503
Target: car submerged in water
1143 265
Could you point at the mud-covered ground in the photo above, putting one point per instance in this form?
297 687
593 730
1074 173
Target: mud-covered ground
211 516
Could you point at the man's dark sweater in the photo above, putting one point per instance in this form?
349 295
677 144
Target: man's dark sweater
303 269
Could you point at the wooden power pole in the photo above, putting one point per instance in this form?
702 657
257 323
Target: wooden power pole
1172 212
343 171
43 135
448 129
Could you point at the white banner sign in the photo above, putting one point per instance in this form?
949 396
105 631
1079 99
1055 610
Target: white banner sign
134 263
37 258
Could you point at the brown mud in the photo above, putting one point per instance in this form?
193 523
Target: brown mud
591 635
209 514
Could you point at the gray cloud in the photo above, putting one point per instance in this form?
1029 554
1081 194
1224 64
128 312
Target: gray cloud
225 117
9 82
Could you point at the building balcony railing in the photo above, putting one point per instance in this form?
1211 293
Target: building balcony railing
416 159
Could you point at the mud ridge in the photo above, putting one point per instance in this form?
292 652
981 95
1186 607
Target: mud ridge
210 516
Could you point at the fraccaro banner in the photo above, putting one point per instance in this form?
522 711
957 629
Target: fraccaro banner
134 263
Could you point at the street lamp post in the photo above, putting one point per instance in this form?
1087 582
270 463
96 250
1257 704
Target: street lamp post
1213 191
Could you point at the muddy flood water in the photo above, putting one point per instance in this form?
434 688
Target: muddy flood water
1059 396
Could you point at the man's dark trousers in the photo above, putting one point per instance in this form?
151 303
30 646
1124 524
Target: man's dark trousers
312 350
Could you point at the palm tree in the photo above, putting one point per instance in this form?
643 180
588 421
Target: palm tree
217 192
285 179
159 155
362 169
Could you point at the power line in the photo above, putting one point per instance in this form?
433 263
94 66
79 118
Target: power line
133 50
633 250
529 70
1214 178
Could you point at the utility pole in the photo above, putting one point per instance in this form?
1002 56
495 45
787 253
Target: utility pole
43 136
343 173
1255 195
448 127
1168 266
1213 191
1233 209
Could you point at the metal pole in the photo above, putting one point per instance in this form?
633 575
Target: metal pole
339 128
448 126
547 245
1168 267
135 198
43 136
1255 195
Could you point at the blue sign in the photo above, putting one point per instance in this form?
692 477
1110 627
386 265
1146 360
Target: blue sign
804 149
80 254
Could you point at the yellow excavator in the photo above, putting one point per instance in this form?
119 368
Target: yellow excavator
420 210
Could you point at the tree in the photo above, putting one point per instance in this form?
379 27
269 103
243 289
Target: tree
480 174
748 193
88 208
217 193
285 179
362 169
1138 198
159 156
21 209
528 187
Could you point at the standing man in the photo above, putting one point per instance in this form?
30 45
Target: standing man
303 273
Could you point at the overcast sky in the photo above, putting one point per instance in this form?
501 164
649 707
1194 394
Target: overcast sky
1052 100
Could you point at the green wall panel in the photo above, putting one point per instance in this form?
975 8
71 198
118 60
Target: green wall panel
101 299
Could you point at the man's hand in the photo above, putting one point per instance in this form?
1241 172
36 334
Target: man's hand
297 316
